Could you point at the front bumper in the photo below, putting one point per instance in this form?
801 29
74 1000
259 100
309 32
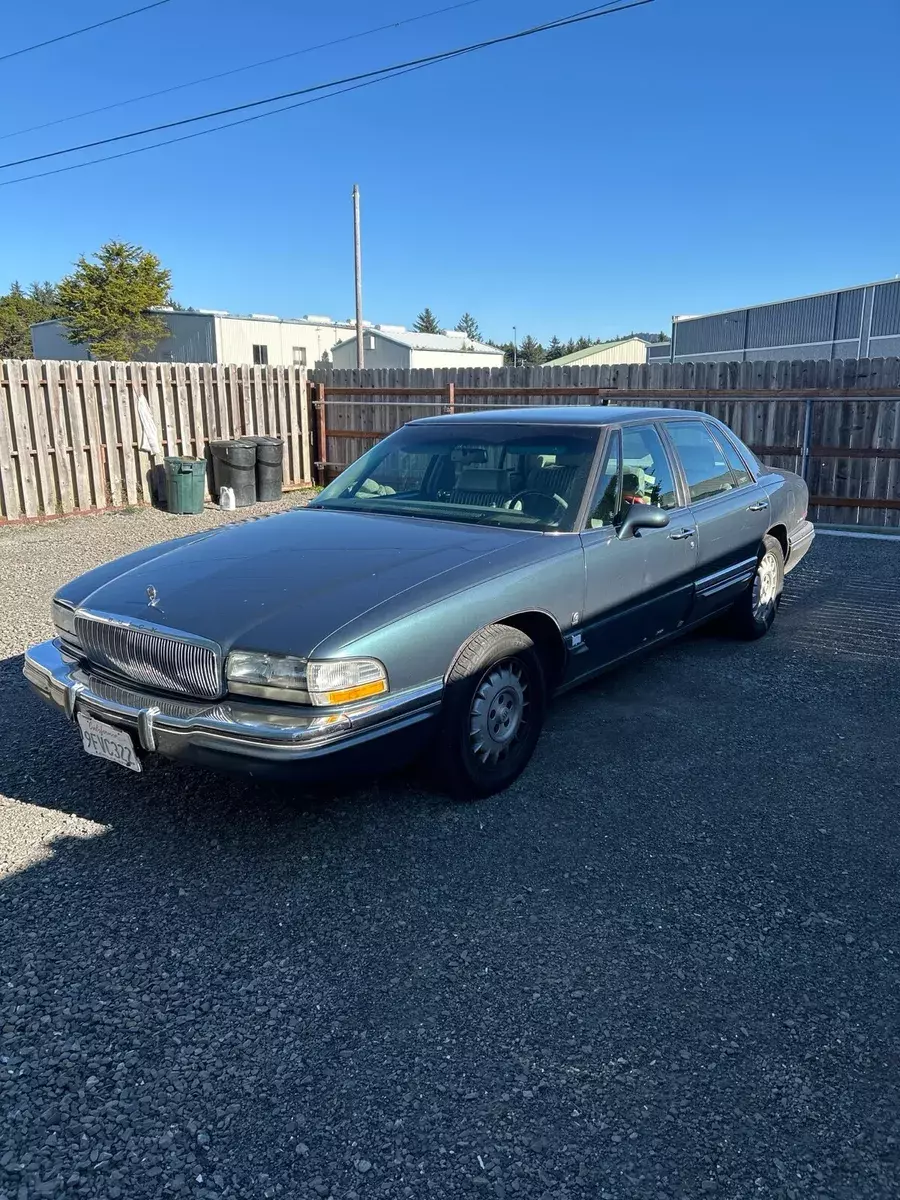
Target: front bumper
253 738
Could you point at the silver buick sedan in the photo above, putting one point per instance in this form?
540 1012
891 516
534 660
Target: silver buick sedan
432 598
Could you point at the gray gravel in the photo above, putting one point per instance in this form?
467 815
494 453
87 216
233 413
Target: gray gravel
664 964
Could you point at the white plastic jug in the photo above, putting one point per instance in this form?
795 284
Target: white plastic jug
226 499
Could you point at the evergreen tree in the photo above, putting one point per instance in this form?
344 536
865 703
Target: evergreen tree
104 303
469 326
427 322
556 349
19 310
45 293
530 351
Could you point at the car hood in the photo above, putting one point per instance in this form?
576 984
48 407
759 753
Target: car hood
286 582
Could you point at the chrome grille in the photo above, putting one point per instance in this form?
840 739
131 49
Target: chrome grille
156 659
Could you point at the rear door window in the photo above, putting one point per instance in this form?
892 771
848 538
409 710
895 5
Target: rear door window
738 468
705 467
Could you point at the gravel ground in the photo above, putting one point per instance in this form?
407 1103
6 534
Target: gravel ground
663 965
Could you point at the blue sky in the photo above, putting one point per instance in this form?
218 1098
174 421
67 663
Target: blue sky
683 157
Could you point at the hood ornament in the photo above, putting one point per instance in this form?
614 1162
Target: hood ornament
152 597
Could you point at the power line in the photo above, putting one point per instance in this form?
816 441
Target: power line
186 137
590 14
84 29
264 62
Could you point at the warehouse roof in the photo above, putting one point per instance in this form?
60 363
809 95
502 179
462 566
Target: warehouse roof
427 341
576 354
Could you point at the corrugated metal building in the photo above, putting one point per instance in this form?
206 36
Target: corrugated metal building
397 346
625 350
857 322
210 336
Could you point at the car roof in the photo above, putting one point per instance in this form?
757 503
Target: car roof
559 414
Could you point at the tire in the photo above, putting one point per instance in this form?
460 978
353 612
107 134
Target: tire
753 613
494 706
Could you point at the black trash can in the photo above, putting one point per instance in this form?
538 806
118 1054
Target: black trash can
269 466
234 466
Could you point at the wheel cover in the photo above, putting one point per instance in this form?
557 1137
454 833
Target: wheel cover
499 712
765 585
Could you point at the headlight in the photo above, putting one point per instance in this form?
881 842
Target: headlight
282 676
285 677
63 617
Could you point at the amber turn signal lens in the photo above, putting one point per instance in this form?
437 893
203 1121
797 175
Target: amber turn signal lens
360 692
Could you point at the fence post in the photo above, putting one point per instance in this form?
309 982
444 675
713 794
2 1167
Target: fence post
807 430
321 425
451 397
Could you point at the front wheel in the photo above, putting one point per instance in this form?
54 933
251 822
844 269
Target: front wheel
494 707
753 613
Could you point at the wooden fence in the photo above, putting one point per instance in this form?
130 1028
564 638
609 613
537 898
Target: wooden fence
857 375
70 434
835 422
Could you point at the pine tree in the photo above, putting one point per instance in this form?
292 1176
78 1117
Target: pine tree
19 310
530 351
427 322
556 349
104 304
469 326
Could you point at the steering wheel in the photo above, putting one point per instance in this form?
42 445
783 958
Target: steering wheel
549 507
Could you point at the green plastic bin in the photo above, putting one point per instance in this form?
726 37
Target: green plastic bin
185 484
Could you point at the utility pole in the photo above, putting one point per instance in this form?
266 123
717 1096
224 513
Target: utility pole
360 349
515 347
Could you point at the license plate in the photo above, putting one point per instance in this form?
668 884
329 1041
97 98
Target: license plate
103 741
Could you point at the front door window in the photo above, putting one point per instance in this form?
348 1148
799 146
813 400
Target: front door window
646 472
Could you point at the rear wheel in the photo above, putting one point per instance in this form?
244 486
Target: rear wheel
494 707
753 613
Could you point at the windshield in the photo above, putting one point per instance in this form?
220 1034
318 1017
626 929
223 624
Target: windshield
517 476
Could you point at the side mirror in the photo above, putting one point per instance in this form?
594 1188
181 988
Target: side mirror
641 516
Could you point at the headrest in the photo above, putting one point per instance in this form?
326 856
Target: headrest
482 479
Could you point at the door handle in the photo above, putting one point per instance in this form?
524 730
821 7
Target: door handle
758 506
682 533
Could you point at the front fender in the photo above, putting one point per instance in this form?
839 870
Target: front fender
420 645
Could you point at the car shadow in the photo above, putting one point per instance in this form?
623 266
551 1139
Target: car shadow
44 764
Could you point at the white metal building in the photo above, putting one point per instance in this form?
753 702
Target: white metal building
625 350
206 335
396 346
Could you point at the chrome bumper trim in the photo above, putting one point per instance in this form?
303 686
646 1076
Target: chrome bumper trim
268 732
799 543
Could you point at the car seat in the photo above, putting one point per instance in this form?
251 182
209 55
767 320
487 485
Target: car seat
482 486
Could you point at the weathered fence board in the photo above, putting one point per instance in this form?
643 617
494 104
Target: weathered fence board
124 402
70 435
9 481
